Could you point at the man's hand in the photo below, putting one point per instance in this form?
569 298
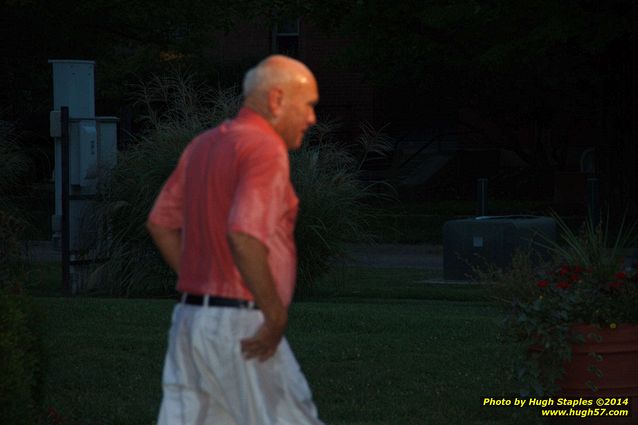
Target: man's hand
251 259
264 343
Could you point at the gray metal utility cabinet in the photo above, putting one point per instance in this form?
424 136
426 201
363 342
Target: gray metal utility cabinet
476 242
92 153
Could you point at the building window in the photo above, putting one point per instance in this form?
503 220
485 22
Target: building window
285 38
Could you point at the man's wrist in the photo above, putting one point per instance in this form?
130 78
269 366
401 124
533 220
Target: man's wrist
277 320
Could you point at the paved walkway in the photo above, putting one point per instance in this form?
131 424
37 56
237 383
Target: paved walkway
420 256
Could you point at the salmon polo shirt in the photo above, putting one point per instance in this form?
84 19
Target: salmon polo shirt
233 178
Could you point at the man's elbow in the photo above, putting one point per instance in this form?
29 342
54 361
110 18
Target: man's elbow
151 227
157 231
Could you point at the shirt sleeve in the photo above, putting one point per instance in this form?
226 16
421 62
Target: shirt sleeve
258 202
168 210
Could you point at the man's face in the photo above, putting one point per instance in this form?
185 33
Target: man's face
298 111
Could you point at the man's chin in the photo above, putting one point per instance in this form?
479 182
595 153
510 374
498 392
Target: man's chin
295 145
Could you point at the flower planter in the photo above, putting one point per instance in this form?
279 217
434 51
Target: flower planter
586 282
618 366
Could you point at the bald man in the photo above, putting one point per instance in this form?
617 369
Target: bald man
224 221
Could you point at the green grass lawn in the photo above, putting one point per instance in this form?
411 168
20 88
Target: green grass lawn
370 284
376 347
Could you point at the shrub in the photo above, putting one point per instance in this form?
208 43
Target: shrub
323 174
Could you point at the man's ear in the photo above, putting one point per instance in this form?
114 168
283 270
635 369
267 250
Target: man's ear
275 101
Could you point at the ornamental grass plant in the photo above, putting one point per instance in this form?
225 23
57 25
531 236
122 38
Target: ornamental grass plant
177 107
15 165
587 281
332 208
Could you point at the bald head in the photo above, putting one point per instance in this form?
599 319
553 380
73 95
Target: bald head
275 71
284 92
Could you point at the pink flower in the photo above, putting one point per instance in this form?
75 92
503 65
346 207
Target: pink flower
616 284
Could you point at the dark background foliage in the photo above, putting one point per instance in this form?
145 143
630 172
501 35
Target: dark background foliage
545 66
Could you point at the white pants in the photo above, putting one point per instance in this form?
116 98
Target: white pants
206 380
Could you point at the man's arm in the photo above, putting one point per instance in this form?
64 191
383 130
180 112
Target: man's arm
251 258
169 243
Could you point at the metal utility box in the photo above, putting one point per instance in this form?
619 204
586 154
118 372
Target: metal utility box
476 242
74 86
92 144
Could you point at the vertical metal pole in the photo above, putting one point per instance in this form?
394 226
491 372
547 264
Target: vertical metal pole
65 228
481 194
593 210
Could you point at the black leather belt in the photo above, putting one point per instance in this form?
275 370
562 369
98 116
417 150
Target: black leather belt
210 301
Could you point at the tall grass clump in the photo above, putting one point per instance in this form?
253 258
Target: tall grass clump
15 168
176 109
15 164
595 245
333 200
